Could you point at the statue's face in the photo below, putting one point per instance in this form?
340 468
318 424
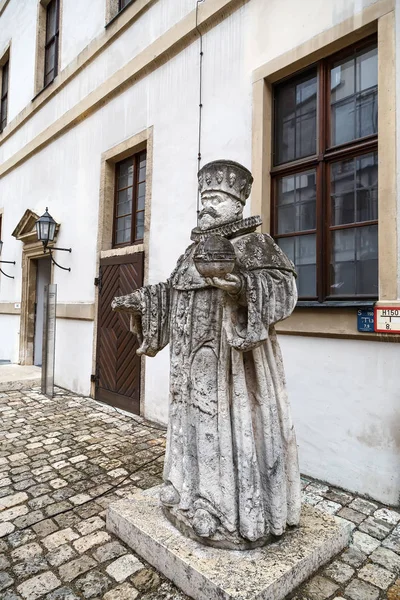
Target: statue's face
218 208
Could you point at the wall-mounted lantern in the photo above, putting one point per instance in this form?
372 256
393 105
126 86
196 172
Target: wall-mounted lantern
7 262
46 230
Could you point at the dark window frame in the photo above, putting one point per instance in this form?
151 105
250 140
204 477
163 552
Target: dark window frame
4 93
53 41
123 4
136 157
321 161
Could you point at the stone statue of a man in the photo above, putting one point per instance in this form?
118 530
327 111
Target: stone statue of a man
231 476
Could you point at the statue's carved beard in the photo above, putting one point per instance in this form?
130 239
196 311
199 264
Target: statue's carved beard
209 211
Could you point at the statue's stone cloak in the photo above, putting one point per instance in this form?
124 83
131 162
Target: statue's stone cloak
231 445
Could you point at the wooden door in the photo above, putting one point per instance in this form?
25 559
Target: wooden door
117 364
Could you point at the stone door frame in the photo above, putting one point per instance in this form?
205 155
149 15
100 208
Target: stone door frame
30 254
32 250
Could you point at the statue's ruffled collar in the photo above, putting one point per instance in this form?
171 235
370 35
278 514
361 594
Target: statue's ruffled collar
229 230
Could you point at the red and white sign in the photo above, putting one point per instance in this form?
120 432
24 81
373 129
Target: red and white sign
387 319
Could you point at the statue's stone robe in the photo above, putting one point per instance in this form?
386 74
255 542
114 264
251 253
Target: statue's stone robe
231 445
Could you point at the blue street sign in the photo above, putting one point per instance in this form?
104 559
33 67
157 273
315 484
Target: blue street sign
365 319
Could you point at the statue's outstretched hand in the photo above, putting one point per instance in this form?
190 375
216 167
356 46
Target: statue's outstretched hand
231 283
129 303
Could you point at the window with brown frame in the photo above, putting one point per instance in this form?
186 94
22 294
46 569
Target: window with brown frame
325 175
4 95
130 194
51 41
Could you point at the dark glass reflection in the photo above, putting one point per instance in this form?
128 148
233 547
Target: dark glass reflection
296 118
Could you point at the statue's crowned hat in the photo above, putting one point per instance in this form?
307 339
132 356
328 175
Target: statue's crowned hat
226 176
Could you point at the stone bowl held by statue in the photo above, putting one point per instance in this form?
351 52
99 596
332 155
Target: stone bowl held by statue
215 257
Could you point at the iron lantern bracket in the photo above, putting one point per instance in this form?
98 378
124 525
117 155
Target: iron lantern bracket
52 258
7 262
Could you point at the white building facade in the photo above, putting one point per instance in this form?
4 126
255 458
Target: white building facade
100 117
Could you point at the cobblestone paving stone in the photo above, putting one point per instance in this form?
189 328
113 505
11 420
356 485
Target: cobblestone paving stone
64 460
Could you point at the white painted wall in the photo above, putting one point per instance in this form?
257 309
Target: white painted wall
9 337
345 399
153 22
73 359
344 408
81 22
18 23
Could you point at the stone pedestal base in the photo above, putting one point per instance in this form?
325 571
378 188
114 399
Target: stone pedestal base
268 573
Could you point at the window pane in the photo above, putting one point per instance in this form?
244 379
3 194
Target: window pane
142 172
139 225
50 60
367 187
4 79
354 261
354 189
124 202
3 114
51 21
141 196
123 230
49 77
296 202
125 173
354 97
296 118
302 252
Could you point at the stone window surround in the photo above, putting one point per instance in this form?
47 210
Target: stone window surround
132 145
4 57
3 4
40 45
330 321
113 10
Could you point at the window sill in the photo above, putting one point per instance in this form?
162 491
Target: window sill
115 17
43 89
308 320
336 304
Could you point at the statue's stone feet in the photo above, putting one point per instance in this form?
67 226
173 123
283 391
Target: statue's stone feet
204 524
169 496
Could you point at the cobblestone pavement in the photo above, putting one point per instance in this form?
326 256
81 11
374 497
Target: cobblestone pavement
62 461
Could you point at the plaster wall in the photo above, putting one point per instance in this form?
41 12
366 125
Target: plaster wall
397 17
345 401
81 22
157 19
18 26
276 27
73 359
9 337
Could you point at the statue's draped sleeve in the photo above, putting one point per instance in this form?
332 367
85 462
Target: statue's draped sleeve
153 320
268 293
149 309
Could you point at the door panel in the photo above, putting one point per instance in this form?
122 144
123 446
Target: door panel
43 278
117 364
